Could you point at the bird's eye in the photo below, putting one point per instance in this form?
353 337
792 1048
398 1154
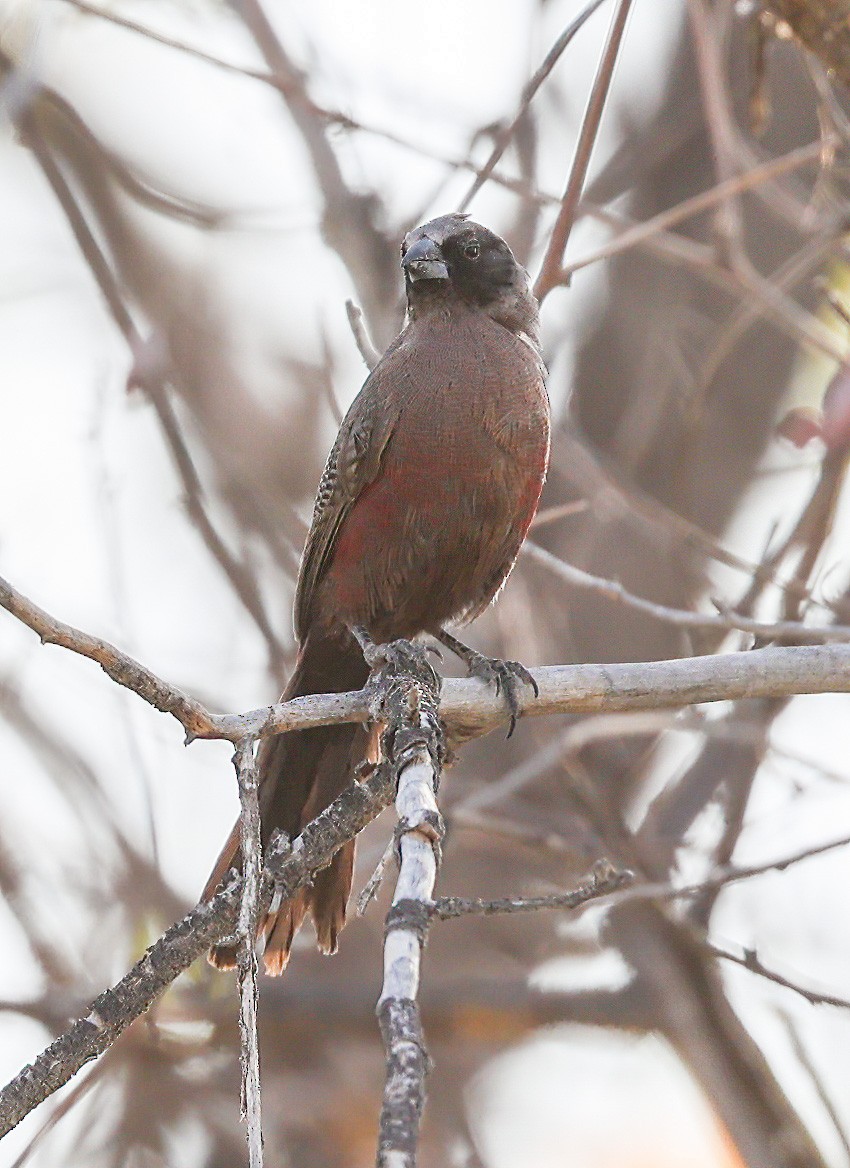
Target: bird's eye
472 251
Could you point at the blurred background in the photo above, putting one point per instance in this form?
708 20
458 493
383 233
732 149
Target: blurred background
191 190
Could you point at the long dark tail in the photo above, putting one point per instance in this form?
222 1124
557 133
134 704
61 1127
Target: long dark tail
301 773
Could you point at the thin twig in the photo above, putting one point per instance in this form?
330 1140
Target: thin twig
749 959
602 879
570 741
817 1081
503 137
367 350
283 84
551 271
559 511
373 884
664 220
727 620
720 877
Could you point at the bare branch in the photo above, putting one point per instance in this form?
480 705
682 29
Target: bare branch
277 81
252 860
467 706
551 270
414 747
664 220
528 94
806 1061
420 829
208 923
750 960
603 878
113 1011
727 619
729 874
194 718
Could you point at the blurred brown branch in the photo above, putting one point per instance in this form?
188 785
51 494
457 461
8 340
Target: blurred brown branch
551 269
506 133
726 620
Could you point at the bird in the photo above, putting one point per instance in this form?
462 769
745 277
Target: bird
426 497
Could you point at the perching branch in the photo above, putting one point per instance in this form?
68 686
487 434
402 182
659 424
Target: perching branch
467 706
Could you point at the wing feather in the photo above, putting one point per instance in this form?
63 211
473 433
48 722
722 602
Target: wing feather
353 463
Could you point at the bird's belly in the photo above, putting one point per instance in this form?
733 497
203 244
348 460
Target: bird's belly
432 538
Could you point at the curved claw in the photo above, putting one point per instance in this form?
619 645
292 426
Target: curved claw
506 677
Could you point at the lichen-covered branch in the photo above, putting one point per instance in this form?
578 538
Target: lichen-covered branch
116 1008
413 745
252 861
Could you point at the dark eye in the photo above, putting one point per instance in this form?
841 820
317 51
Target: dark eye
472 251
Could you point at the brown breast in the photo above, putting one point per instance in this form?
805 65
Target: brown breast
432 538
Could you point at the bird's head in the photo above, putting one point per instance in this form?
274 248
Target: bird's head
454 257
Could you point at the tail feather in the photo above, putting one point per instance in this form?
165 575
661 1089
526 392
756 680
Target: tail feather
279 929
301 773
330 893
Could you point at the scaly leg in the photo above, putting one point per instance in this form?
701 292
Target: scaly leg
506 676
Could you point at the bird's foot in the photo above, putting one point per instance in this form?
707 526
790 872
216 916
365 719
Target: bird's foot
405 690
506 677
397 660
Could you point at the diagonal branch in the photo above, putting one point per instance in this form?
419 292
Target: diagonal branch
726 620
116 1008
551 270
529 92
154 381
749 959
